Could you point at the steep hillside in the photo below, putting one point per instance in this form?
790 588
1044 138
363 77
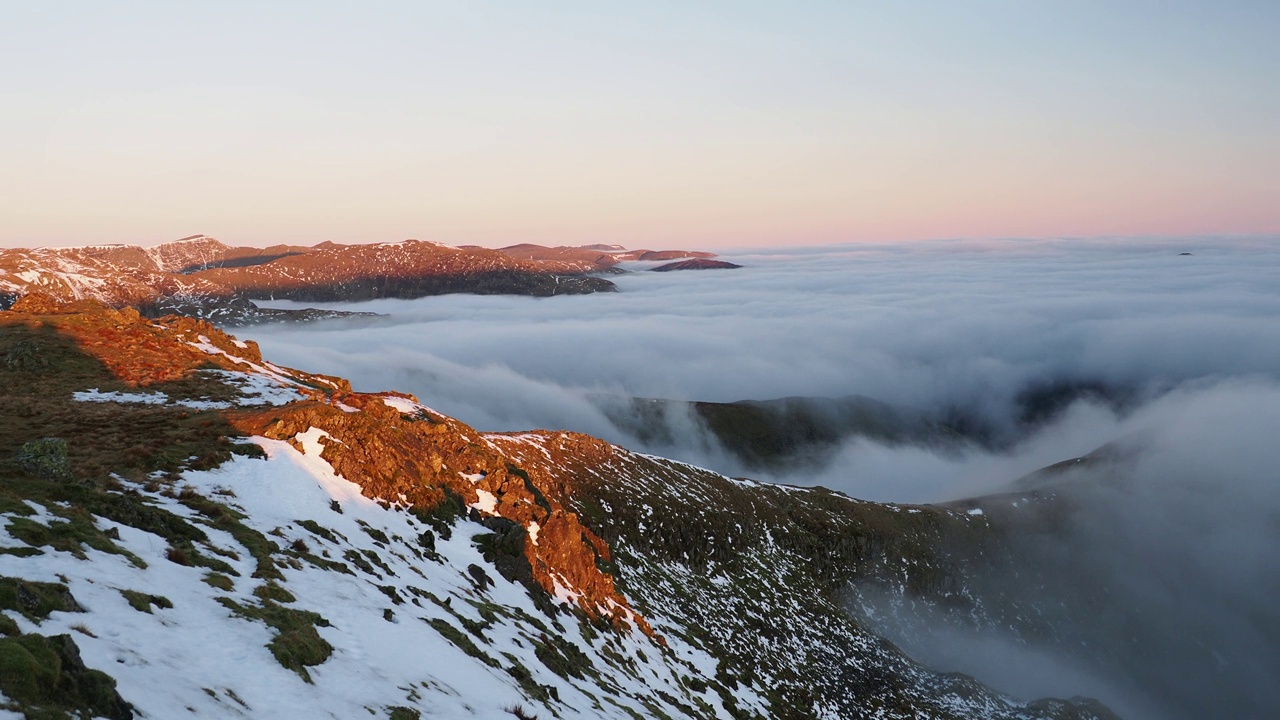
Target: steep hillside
190 529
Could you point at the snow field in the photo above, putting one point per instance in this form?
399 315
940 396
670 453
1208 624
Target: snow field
199 659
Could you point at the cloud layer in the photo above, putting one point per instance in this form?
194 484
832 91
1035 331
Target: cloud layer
1160 587
1184 539
935 326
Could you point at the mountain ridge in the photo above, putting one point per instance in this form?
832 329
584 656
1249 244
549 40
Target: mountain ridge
555 570
203 277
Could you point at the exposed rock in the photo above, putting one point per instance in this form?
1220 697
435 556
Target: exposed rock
422 460
46 457
25 356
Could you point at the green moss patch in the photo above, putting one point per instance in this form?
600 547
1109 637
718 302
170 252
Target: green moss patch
442 517
44 677
464 643
318 530
296 645
562 657
377 535
228 520
70 535
219 581
532 689
142 602
36 600
273 592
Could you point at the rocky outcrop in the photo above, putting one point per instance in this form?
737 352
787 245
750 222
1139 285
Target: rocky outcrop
439 466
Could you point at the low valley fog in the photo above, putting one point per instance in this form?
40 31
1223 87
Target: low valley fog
1025 353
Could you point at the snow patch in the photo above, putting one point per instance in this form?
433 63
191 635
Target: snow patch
339 488
260 389
151 398
96 395
487 502
406 406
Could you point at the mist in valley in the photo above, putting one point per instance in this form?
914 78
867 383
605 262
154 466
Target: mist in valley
1157 583
948 330
1024 353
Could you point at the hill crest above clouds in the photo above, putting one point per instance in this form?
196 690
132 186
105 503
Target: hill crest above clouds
203 277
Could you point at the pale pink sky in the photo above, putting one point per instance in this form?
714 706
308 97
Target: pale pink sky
721 124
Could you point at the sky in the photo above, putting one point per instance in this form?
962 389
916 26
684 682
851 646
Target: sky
656 124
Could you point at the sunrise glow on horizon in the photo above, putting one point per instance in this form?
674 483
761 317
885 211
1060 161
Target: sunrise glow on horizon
659 124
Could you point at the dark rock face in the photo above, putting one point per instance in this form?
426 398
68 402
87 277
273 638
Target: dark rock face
696 264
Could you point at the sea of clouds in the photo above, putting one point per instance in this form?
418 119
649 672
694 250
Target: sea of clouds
1188 545
931 326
